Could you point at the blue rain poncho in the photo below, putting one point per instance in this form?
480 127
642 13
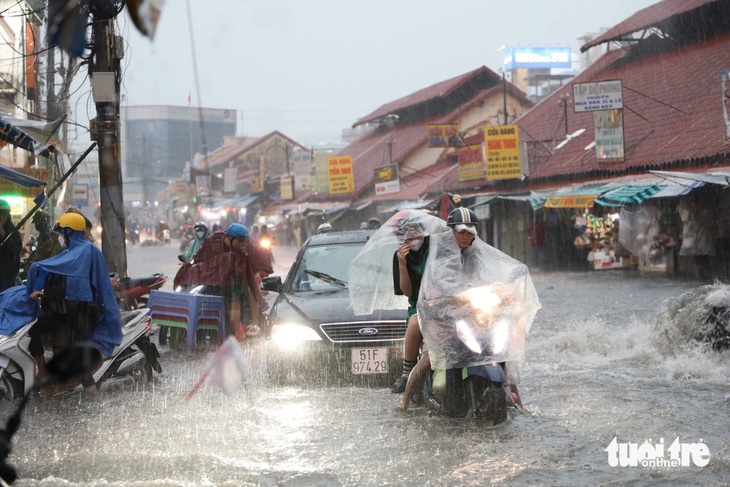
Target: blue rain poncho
87 280
16 309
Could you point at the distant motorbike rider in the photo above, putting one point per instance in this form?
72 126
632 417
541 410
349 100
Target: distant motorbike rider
201 233
76 295
10 249
225 267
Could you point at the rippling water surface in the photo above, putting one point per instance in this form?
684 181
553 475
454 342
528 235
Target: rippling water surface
594 372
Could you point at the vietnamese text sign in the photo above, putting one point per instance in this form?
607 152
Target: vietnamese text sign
302 163
10 188
503 152
604 95
80 195
443 135
471 162
386 179
609 133
570 201
286 188
341 178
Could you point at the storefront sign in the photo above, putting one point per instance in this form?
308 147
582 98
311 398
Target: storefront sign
444 135
341 178
287 188
609 134
386 179
471 162
8 188
570 201
230 178
604 95
503 152
302 163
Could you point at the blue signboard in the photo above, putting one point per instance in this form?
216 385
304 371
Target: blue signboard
538 57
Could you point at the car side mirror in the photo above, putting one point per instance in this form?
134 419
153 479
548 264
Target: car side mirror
271 283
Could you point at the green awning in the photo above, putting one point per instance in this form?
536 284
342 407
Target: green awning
628 195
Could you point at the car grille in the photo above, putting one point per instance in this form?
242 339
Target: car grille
350 332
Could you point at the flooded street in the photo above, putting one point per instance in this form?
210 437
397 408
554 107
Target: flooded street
593 374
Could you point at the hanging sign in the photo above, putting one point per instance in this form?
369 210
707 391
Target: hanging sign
604 95
444 135
341 178
471 162
503 152
386 179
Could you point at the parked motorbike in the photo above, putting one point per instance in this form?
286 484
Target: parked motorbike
134 292
135 355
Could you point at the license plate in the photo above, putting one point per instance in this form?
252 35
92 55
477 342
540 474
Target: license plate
370 360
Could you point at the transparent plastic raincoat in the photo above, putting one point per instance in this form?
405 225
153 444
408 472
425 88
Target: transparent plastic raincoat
474 307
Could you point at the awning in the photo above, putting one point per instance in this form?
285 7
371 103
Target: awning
406 205
246 201
20 178
483 200
628 195
576 196
678 189
535 199
717 177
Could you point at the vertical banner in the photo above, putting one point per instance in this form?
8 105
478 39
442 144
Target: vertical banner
503 152
286 188
471 162
386 179
230 178
302 163
609 132
726 102
341 178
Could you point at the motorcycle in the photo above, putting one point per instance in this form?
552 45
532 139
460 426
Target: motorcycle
135 355
133 236
134 292
186 238
164 235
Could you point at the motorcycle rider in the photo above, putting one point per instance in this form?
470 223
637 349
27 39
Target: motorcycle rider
201 233
409 261
76 295
224 266
325 228
465 225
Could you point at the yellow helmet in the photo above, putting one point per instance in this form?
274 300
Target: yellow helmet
74 221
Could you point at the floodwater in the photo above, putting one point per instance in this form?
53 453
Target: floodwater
594 373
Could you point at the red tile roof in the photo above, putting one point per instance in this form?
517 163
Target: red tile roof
651 16
673 112
439 90
222 156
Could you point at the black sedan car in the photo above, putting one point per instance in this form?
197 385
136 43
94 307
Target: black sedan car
314 334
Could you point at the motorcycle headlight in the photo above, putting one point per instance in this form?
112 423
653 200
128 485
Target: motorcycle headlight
290 335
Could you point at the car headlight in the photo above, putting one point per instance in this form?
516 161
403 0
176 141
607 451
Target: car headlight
290 336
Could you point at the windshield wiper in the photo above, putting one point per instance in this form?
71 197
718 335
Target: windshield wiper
327 278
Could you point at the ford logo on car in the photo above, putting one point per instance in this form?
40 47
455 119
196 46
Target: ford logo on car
368 331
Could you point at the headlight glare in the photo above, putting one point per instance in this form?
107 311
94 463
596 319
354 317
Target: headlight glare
289 335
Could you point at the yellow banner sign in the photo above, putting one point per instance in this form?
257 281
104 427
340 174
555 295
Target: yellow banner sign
503 152
443 135
341 178
471 162
570 201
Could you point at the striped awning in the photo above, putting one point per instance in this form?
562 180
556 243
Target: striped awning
20 178
629 195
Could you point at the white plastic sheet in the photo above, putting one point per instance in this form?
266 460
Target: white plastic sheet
474 307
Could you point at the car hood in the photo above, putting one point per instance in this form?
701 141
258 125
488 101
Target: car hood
326 307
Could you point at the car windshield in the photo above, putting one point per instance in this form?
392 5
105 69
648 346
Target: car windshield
324 267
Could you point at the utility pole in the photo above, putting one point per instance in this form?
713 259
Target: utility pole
504 97
105 79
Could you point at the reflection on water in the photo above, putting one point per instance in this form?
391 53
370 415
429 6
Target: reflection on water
592 374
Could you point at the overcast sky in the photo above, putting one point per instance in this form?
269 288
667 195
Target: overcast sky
311 68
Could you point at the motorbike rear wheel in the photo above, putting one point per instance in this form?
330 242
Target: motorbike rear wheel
489 401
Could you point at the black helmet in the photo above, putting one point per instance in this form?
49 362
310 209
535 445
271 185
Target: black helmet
41 219
462 216
407 225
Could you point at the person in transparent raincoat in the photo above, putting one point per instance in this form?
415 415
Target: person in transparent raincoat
465 281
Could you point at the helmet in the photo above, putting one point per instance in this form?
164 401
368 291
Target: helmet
74 221
374 223
407 225
200 226
237 230
465 217
4 206
41 218
325 228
